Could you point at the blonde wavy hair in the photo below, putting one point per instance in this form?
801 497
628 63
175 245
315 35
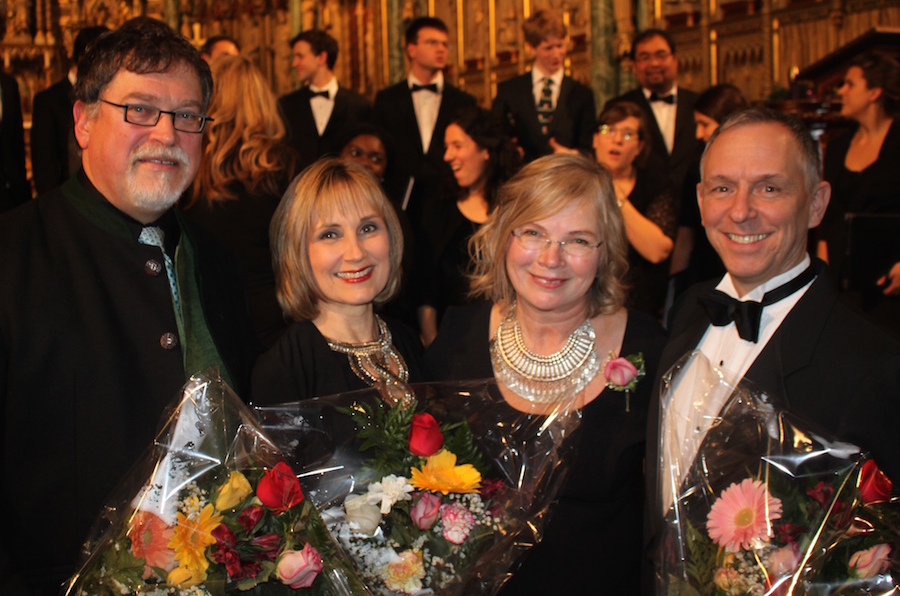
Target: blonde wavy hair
243 143
540 190
329 186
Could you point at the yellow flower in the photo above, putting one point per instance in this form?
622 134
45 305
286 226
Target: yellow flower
405 573
233 492
192 536
441 474
183 577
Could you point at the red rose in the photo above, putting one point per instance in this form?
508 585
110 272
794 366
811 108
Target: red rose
425 436
249 517
874 485
279 489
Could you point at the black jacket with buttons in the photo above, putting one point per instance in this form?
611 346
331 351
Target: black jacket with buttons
89 360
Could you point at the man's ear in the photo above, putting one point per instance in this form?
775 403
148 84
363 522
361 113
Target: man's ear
818 203
322 58
83 121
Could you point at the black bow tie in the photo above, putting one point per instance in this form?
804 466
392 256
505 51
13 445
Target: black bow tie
722 309
670 98
319 94
429 87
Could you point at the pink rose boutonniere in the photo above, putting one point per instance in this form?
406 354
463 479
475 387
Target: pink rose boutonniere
623 374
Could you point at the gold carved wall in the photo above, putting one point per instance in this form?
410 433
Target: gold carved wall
755 44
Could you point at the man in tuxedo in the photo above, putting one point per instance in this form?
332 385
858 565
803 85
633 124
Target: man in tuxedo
109 301
774 319
219 45
14 187
316 114
416 111
55 154
547 110
670 109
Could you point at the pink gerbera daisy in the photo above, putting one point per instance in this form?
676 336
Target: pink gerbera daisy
742 515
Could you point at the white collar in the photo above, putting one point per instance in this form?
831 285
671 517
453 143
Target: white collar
331 87
437 80
727 284
673 91
538 76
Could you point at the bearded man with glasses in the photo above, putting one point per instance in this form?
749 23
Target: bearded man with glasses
109 301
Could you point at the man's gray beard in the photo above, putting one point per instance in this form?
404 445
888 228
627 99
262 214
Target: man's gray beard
157 194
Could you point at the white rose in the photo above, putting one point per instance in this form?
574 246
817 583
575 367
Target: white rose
361 514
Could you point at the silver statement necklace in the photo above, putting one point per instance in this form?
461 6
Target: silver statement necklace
371 362
543 379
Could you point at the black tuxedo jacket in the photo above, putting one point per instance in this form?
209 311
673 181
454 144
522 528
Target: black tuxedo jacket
395 113
349 107
686 150
832 367
573 123
14 187
53 136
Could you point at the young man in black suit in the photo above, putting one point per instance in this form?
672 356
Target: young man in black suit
55 154
416 111
316 113
670 109
547 110
760 194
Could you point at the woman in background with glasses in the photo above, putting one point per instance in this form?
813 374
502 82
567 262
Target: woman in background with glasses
649 208
550 262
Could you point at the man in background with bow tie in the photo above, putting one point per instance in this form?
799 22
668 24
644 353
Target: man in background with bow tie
317 113
548 111
774 319
674 147
109 301
416 112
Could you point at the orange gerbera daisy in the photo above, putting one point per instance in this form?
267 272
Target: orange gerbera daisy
150 537
192 536
440 474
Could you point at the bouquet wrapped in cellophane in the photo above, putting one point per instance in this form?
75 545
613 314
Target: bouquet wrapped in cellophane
213 508
439 495
764 503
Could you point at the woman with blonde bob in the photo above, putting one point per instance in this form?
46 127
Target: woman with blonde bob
551 262
244 170
336 245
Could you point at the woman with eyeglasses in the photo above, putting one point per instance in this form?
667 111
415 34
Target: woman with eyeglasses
245 168
550 263
649 208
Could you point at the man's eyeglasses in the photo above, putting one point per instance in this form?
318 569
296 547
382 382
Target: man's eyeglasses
659 56
149 116
535 241
627 135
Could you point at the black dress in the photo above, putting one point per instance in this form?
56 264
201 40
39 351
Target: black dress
874 190
592 544
301 365
242 226
648 281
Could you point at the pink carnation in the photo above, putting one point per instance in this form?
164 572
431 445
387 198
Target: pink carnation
742 515
457 521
